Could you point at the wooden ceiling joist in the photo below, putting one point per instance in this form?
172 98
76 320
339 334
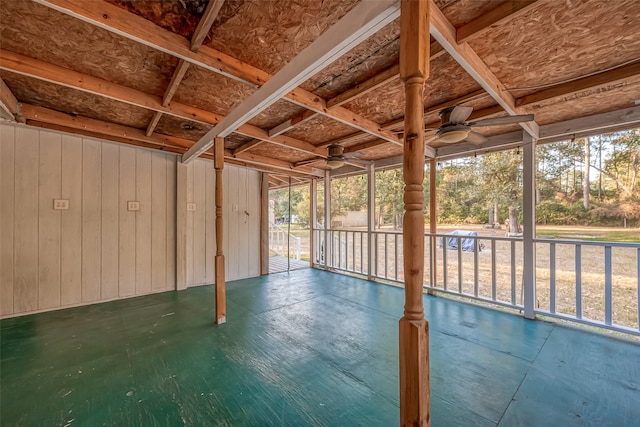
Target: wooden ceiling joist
445 34
585 83
292 122
8 102
51 119
133 27
106 129
136 28
247 146
54 74
199 35
40 70
357 25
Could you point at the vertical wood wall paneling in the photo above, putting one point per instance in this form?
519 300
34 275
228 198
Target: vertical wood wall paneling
199 219
182 230
243 223
25 296
71 222
7 192
210 224
253 232
91 219
127 235
190 217
231 218
49 188
158 221
110 220
171 222
143 221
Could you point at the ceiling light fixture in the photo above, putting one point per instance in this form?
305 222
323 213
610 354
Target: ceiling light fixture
452 136
335 163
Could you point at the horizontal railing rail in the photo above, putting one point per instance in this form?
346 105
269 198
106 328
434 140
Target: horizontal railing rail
281 242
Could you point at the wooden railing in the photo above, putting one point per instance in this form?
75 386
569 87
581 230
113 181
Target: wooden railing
594 283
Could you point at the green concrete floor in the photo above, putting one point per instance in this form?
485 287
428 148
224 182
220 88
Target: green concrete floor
304 348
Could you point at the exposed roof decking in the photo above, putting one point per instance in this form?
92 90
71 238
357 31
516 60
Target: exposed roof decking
526 45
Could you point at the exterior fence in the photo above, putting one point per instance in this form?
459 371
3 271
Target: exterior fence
594 283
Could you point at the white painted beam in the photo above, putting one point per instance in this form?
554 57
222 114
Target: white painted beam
357 25
445 34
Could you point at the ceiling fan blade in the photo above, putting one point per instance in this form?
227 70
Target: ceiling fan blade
431 139
358 161
475 138
355 154
504 120
460 114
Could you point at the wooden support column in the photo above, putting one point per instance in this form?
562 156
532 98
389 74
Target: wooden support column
221 297
414 329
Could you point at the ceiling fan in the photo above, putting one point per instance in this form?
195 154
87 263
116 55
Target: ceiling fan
454 128
337 158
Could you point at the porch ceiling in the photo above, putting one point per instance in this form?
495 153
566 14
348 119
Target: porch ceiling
162 74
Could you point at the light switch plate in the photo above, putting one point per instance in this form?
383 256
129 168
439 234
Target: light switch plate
133 206
61 204
191 207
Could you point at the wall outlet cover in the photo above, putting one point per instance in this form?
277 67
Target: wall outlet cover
133 206
61 204
191 207
234 208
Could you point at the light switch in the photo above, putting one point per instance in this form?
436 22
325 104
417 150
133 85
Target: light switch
133 206
61 204
191 207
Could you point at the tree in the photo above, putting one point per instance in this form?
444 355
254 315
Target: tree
586 185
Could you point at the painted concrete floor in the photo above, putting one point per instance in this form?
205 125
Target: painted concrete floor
304 348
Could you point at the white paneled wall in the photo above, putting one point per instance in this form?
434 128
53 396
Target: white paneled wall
241 215
97 250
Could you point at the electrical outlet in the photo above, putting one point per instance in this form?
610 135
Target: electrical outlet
61 204
191 207
133 206
234 208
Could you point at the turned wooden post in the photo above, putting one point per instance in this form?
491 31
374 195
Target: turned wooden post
414 329
221 297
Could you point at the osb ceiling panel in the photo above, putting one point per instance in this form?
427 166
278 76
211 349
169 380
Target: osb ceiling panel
555 41
268 34
59 39
235 140
278 152
178 16
174 126
447 81
210 91
588 102
459 12
72 101
379 51
320 129
277 113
